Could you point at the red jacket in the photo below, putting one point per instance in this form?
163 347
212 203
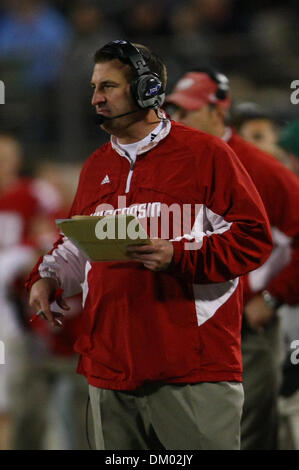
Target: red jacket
279 190
182 324
19 205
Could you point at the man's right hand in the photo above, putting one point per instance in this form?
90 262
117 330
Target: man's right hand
42 294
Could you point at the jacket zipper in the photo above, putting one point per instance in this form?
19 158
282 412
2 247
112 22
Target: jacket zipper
129 178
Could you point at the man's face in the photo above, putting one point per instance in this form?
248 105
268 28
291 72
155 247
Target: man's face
259 132
202 119
112 95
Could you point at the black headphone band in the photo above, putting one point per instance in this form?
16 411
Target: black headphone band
127 52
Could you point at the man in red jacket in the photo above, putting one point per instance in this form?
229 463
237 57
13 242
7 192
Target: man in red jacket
201 100
160 340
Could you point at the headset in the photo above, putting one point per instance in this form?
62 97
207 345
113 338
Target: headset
147 89
219 78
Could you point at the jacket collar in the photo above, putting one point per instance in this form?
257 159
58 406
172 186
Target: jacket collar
166 126
227 134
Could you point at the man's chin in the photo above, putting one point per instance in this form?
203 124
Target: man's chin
107 126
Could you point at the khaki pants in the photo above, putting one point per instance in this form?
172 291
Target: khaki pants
171 416
262 360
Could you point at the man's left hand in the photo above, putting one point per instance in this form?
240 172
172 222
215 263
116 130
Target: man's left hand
156 257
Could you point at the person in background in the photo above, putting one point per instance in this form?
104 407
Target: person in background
258 126
22 200
289 142
289 391
160 339
201 100
52 415
34 38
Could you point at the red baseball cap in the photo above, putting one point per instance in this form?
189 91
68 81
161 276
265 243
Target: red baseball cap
195 89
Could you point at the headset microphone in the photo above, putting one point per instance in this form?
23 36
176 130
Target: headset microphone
100 118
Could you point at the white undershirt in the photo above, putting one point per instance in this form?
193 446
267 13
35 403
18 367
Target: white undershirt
132 149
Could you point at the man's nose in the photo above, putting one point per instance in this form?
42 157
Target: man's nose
97 98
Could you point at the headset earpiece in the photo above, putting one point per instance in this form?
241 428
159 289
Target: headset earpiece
223 85
147 91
